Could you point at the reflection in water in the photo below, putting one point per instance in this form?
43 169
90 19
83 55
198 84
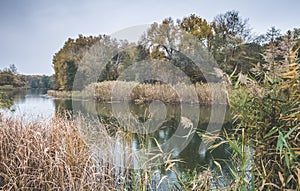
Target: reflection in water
190 156
31 104
63 105
167 132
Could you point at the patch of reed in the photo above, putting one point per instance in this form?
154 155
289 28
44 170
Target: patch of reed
212 93
53 156
76 154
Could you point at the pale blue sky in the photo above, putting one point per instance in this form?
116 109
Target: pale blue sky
33 30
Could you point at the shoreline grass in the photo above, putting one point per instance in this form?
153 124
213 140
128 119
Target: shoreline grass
11 88
204 94
58 156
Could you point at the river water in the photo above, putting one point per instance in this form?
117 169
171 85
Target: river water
37 105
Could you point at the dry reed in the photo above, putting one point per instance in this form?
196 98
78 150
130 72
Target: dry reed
72 154
212 93
200 93
53 156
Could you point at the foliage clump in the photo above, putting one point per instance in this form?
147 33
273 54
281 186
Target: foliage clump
267 107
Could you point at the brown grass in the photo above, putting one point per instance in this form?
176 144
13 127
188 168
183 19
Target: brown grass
178 93
53 156
212 93
66 154
76 154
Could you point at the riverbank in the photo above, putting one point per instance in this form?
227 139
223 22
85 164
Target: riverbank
58 155
199 93
54 155
11 88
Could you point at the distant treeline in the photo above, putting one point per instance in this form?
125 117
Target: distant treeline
9 78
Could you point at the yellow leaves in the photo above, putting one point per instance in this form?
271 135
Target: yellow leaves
296 150
290 75
291 71
298 116
293 55
197 26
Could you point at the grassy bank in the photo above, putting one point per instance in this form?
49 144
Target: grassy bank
67 94
11 88
267 110
133 91
58 155
55 156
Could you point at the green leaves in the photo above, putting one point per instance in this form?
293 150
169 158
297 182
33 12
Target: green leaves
68 58
5 101
271 132
271 120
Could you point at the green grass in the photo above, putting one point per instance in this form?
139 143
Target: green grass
269 114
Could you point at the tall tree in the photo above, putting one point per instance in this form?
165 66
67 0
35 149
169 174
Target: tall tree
67 59
161 38
168 42
230 31
198 27
9 76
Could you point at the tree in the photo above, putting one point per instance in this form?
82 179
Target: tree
168 42
230 31
198 27
246 55
46 82
272 34
141 53
5 101
13 69
9 76
161 38
67 59
6 78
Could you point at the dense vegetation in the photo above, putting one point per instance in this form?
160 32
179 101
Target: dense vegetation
266 108
262 74
54 155
5 101
10 78
145 93
11 82
228 39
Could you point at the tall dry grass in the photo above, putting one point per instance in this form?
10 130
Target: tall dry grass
77 154
199 93
53 156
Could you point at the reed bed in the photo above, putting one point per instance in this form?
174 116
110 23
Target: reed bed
79 154
54 156
67 94
212 93
200 93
